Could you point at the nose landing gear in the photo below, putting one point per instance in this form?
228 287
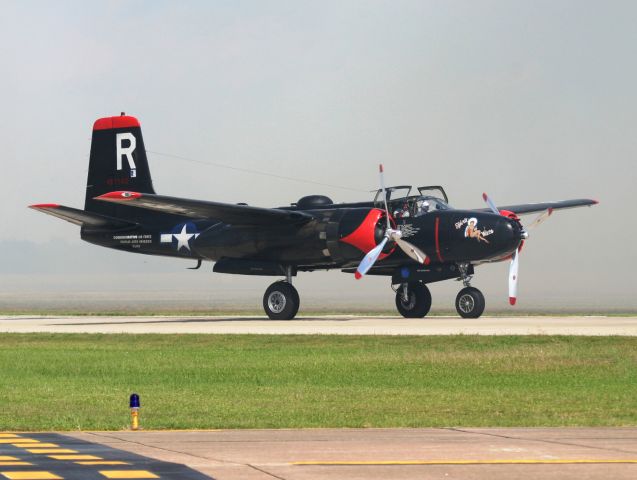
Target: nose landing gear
413 299
470 302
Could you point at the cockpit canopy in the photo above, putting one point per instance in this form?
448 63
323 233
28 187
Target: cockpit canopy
401 204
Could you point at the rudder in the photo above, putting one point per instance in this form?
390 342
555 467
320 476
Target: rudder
117 162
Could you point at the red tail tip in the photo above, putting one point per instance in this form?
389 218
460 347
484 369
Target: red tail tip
595 202
109 123
512 300
357 275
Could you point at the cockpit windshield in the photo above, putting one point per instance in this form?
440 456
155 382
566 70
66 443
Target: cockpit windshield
417 206
402 205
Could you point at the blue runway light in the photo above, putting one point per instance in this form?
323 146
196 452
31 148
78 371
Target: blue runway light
134 411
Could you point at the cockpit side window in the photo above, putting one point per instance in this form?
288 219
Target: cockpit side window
427 204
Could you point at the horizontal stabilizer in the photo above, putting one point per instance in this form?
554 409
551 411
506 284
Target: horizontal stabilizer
80 217
224 212
526 208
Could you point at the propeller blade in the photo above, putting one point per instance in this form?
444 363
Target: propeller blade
540 218
513 278
412 250
368 261
492 206
382 187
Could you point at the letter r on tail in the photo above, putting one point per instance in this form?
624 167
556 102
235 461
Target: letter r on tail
125 151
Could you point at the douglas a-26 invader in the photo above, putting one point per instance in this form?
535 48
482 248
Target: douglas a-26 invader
414 239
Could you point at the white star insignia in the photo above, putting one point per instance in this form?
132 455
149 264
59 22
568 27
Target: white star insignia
183 238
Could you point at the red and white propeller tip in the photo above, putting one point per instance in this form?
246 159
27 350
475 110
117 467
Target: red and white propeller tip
513 277
490 203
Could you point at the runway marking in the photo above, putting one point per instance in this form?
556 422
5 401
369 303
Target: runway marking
128 474
50 450
38 445
31 476
32 458
75 457
470 462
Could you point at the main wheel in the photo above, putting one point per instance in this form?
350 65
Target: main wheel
418 300
470 303
281 301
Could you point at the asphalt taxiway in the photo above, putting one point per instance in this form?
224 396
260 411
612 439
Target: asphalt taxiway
333 325
347 454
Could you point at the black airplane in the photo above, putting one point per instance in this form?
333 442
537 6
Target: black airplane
415 239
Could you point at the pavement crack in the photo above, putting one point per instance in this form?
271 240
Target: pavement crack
200 457
540 440
264 471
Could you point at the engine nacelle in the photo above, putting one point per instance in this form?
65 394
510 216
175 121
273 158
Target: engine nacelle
358 231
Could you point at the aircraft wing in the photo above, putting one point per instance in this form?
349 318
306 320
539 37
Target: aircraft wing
224 212
526 208
80 217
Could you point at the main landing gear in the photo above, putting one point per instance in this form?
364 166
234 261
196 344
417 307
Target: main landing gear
281 300
413 299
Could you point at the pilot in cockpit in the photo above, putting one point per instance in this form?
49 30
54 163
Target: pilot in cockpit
422 207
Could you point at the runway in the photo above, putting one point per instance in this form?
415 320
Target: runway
347 454
333 325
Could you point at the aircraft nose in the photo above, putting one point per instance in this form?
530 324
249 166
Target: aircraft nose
512 232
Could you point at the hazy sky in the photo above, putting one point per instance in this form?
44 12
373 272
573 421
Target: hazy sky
527 100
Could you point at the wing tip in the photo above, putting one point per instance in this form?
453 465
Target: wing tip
40 206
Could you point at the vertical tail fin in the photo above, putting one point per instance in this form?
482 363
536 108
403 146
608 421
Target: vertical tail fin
117 162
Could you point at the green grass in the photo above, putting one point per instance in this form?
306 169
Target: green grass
73 381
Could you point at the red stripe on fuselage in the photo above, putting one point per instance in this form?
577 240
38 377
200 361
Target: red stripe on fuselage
437 236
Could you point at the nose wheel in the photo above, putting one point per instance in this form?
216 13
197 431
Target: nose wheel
281 301
470 303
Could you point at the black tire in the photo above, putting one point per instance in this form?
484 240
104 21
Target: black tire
281 301
470 303
419 300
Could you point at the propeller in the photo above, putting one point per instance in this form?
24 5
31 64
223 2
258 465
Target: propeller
515 257
540 218
394 235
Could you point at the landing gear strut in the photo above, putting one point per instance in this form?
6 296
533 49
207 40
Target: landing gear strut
413 300
470 302
281 300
